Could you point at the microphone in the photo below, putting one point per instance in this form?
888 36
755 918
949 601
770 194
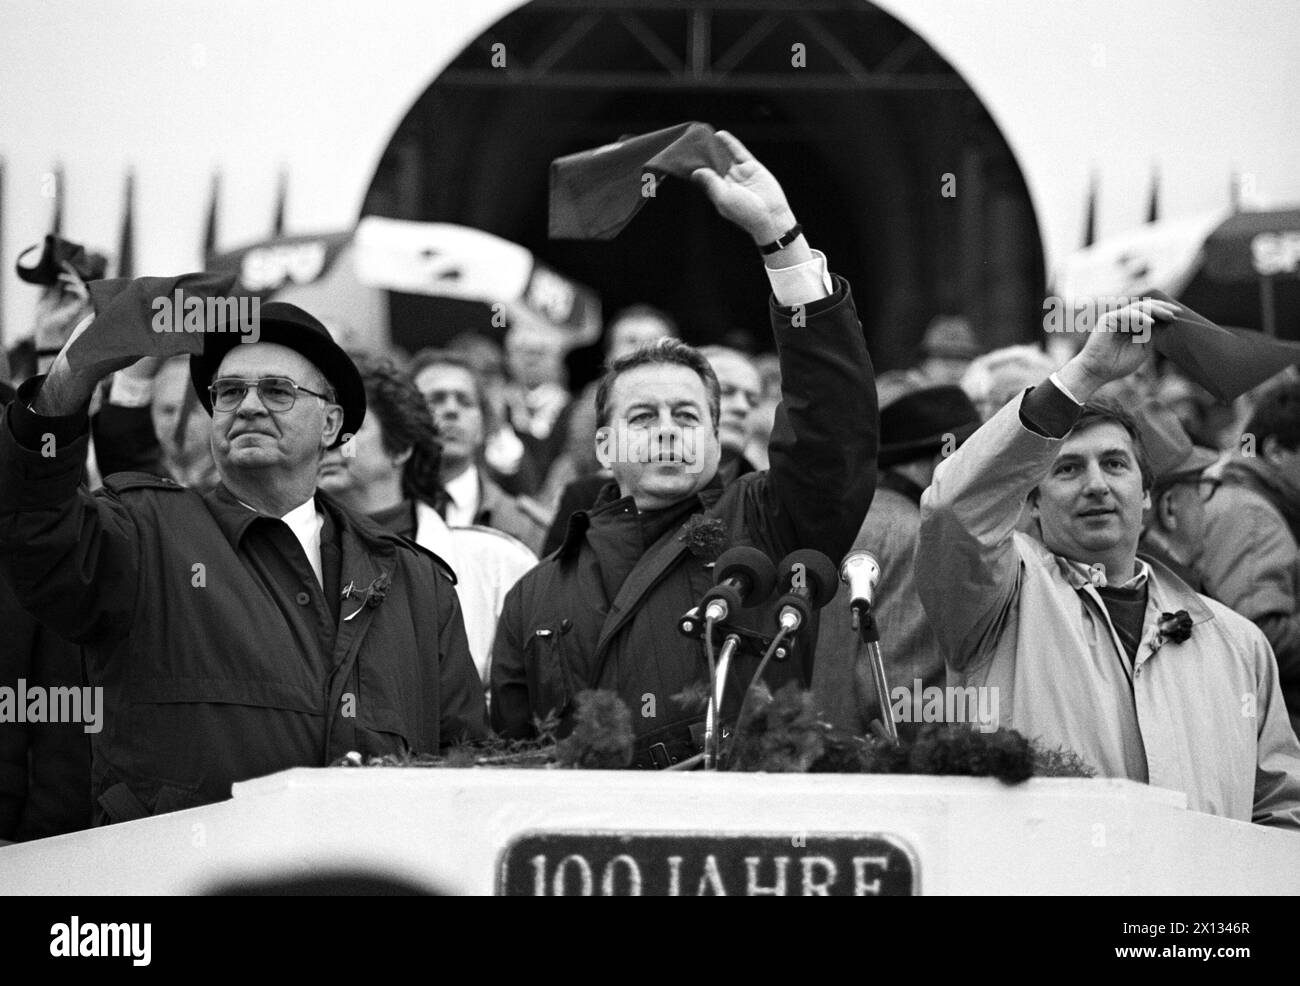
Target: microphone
744 576
860 571
812 581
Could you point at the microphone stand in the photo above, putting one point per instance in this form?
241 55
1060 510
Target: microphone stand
874 668
712 730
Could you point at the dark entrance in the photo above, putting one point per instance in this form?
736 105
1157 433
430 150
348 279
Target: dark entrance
861 137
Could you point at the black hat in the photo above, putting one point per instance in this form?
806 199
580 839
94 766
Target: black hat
289 326
918 424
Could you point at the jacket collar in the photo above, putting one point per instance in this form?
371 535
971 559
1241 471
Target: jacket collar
609 500
491 498
1166 591
234 519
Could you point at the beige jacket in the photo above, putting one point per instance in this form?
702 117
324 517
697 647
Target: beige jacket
1203 716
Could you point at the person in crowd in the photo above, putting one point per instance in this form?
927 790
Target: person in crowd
230 631
602 612
994 379
1173 527
947 348
1250 558
181 427
764 416
633 327
508 461
1208 421
462 417
44 766
576 476
917 431
537 398
586 477
741 390
389 471
1091 648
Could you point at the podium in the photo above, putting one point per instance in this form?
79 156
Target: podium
487 830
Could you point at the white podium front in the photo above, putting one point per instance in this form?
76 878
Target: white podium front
484 831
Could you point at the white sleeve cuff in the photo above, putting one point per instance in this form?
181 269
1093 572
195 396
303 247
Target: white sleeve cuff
803 283
1063 388
129 391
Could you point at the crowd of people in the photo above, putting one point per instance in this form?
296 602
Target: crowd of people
274 554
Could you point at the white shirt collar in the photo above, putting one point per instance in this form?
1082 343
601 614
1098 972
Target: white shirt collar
306 524
464 493
1136 582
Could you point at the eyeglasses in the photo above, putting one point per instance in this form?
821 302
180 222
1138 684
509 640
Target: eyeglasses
275 393
1205 485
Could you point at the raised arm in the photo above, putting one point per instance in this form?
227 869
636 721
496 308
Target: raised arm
967 567
71 558
824 438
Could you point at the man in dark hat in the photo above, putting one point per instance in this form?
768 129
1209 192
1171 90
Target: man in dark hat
917 430
258 627
1173 528
947 349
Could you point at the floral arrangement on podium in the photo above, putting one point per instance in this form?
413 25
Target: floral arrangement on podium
781 733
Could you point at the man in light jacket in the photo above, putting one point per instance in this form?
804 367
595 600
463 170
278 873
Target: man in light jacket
1090 648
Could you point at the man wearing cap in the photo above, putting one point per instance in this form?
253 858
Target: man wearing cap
1251 559
1090 648
254 628
947 349
916 432
1173 530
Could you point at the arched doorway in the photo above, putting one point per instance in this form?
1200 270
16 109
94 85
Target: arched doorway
861 134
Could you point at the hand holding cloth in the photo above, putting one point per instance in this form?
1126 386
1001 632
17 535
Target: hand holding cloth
595 193
1226 362
146 316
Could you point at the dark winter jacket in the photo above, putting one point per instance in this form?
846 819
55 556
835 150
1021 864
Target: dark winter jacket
220 655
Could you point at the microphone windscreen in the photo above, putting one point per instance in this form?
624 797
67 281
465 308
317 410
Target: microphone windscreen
751 564
816 571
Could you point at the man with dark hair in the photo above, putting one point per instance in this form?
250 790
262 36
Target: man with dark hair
1090 647
603 611
463 418
1251 561
257 627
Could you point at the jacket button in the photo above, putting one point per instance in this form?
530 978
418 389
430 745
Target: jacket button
303 599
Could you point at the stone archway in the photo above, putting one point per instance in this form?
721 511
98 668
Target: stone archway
862 135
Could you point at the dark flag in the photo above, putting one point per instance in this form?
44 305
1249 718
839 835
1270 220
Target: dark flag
210 226
281 194
56 222
1090 217
126 240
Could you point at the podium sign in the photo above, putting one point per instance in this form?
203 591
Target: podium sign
655 864
672 833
